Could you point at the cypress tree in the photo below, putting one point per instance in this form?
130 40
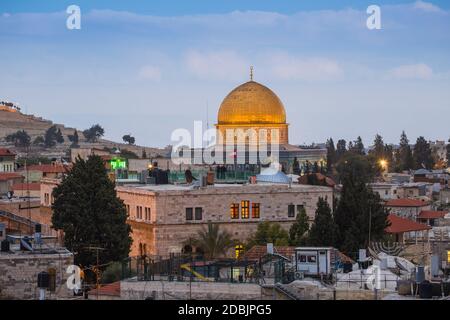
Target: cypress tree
88 211
324 230
299 229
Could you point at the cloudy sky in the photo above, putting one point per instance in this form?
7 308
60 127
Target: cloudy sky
148 68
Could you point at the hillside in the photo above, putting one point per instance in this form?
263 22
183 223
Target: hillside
12 120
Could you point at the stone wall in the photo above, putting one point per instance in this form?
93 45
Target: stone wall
18 274
140 290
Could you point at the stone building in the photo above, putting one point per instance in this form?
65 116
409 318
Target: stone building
19 271
164 216
7 160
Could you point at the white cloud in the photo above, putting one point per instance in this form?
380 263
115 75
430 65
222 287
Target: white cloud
426 6
419 71
150 73
217 65
288 67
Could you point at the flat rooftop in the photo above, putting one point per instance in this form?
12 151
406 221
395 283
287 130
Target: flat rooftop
246 188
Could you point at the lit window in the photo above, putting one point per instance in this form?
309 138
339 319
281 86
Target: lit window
198 213
255 210
239 250
245 209
234 211
189 213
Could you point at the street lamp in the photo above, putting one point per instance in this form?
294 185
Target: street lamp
383 163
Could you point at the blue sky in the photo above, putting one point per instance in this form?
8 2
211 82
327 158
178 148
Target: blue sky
149 67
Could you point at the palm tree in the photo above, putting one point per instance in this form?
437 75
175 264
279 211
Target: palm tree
213 242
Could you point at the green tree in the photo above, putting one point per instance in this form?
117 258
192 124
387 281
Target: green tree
74 138
341 149
299 228
213 241
128 139
269 232
357 146
324 231
422 155
20 139
51 137
378 150
86 208
359 215
404 157
331 155
94 133
128 154
39 141
59 136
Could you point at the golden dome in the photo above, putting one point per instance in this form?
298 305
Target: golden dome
251 103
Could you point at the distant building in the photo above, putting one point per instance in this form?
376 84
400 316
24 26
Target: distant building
7 160
386 191
19 272
34 173
407 208
164 216
23 190
7 180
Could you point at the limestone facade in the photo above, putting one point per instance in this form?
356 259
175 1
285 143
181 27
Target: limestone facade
163 217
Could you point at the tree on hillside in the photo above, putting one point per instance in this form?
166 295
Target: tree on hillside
422 154
360 215
20 139
51 137
324 231
212 241
128 139
404 157
127 154
39 141
59 136
74 138
86 208
269 232
94 133
331 155
144 154
299 228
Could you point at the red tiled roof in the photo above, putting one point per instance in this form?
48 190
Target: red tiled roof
26 186
4 176
429 214
111 289
400 225
406 203
6 152
48 168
